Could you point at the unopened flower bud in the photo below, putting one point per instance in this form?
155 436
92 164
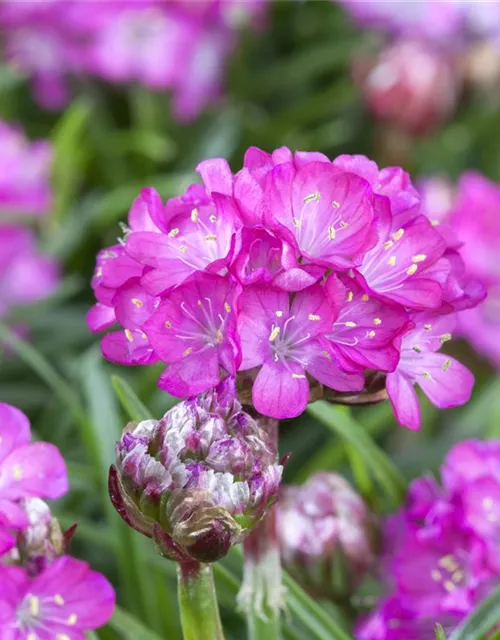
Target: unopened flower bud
198 479
41 542
326 535
411 84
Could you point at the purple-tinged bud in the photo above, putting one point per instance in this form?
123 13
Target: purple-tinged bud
41 542
197 480
327 535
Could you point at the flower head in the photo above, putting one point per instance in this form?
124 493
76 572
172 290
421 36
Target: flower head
197 480
64 600
326 530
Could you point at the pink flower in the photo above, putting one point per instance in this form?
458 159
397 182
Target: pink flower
446 382
25 275
27 470
65 600
24 174
284 339
194 332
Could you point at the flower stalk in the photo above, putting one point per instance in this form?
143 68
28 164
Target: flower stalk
198 602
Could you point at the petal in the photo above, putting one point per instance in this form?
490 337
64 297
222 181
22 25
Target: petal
313 310
299 278
14 429
13 515
171 274
34 470
404 400
445 381
129 347
216 175
133 306
7 541
147 211
327 371
191 375
281 390
100 317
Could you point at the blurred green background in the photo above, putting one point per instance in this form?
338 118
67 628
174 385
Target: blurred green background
288 84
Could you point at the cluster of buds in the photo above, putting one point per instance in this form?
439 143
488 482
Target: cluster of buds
42 589
300 275
441 549
178 45
197 480
327 535
25 274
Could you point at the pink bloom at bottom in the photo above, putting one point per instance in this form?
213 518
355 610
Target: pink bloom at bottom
62 602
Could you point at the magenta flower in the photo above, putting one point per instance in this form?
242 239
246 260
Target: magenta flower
25 275
446 382
63 601
194 332
24 174
284 339
35 470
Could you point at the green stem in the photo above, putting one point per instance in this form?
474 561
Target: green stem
198 602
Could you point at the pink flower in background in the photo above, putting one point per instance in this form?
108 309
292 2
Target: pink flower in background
295 271
64 600
441 549
24 174
25 275
166 46
35 470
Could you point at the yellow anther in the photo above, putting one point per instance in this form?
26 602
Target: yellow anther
427 327
419 257
448 562
446 337
168 324
392 261
427 375
457 576
210 237
278 314
59 600
371 334
173 232
17 471
388 244
377 321
411 270
335 204
446 365
227 307
194 215
449 586
212 218
34 606
365 297
183 248
62 636
98 272
219 336
350 324
73 618
138 303
343 224
296 222
399 234
187 352
350 296
314 317
143 335
31 636
435 223
312 196
199 303
416 348
128 335
436 575
298 376
274 334
331 232
488 502
327 355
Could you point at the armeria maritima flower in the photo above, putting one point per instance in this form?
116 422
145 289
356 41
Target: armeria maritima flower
197 480
295 273
441 549
326 535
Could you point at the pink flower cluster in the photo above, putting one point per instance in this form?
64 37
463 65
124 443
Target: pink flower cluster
25 275
296 270
469 212
43 591
178 45
442 547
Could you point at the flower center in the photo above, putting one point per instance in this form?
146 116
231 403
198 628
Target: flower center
449 572
285 341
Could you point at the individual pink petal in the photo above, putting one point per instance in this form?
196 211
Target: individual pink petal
191 375
445 381
100 317
14 429
281 390
216 175
404 400
130 347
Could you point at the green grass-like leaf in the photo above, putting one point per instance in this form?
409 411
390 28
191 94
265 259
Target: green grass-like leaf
481 620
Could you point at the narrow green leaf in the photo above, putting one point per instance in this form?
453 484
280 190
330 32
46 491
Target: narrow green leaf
130 628
481 620
339 420
439 631
133 407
